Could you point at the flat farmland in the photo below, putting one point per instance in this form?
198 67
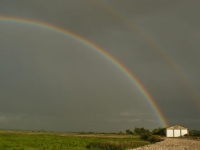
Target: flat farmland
32 140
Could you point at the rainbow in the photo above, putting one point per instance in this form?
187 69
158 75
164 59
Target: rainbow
132 26
99 50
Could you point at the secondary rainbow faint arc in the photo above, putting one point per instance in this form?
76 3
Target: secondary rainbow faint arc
101 51
157 48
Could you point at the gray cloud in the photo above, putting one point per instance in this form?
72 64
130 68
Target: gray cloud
49 78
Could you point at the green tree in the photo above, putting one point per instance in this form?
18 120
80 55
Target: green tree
128 131
141 131
158 131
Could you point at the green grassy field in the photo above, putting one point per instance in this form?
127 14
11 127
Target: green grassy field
27 140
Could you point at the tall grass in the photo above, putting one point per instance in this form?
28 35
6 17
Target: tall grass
116 145
60 141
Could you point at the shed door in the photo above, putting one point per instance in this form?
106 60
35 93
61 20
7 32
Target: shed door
170 133
177 132
184 131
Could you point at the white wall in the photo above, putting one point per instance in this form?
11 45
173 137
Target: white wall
177 132
170 133
183 131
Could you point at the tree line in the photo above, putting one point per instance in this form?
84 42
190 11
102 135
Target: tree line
152 136
141 131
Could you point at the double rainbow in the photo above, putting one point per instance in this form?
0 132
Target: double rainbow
100 51
158 49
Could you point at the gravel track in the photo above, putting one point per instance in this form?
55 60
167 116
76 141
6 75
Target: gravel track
173 144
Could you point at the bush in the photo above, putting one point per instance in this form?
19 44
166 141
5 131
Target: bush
194 132
159 131
129 131
154 139
151 138
145 136
141 131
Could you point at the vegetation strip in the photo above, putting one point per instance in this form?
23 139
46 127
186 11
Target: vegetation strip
23 140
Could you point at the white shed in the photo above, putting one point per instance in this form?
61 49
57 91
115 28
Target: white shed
176 131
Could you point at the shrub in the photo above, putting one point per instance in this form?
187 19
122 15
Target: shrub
151 138
141 131
154 139
158 131
129 131
145 136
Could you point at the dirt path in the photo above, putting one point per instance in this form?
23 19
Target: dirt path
173 144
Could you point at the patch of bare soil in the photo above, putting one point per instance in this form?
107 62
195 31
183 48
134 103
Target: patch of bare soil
173 144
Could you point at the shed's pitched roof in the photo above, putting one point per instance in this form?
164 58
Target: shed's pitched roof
176 127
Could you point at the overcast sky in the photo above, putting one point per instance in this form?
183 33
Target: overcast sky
50 81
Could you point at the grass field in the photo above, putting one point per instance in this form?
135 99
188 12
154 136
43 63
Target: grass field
27 140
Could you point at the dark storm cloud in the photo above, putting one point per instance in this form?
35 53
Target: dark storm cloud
80 16
47 78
